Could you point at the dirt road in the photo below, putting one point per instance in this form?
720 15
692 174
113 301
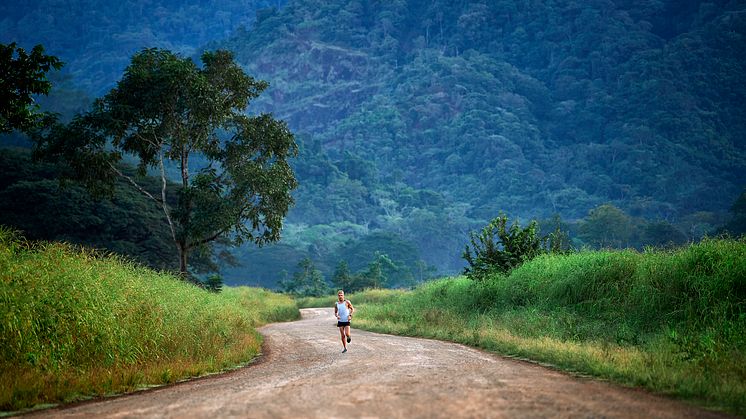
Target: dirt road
304 374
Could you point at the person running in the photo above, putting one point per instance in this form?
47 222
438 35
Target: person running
343 309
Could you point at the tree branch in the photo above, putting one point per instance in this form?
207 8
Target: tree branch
154 144
223 231
133 183
207 239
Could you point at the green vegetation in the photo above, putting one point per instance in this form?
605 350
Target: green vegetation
24 75
499 248
32 201
737 224
167 109
323 301
424 119
306 281
381 272
418 121
673 321
75 324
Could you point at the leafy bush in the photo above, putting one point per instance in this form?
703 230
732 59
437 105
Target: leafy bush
498 248
213 283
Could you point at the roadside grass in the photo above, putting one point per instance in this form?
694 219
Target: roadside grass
369 296
672 321
76 324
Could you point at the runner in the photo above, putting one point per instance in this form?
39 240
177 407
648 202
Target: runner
343 309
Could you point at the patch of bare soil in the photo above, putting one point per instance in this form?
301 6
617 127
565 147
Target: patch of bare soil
304 374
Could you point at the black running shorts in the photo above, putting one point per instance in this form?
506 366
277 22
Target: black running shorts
343 324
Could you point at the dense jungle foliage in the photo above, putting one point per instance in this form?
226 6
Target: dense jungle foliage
419 121
428 118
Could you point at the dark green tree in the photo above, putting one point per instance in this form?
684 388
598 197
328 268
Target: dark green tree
378 274
402 253
662 234
499 248
607 226
424 271
23 75
32 201
372 277
558 241
343 278
307 281
166 110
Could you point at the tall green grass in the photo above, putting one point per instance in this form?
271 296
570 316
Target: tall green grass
369 296
75 324
672 321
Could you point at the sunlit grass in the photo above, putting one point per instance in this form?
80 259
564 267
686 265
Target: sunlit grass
75 324
672 321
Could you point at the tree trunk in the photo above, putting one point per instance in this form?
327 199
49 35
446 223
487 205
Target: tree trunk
187 209
183 254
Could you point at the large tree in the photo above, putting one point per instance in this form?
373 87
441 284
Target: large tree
167 109
23 75
608 226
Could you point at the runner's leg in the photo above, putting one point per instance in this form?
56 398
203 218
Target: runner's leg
347 332
342 333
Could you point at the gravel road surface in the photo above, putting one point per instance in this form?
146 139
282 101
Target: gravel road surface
304 374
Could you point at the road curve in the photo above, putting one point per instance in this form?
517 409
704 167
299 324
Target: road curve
304 374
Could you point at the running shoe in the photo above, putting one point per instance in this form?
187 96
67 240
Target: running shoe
345 350
348 339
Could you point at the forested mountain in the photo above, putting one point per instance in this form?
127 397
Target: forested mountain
425 118
418 121
96 38
534 107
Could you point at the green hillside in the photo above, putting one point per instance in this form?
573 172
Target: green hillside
533 108
75 324
670 321
420 121
427 118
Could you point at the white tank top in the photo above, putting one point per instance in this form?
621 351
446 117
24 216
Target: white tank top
343 311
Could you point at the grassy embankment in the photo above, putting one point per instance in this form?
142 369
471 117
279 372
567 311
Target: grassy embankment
75 324
670 321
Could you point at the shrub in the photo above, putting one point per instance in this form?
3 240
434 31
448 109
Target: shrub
498 248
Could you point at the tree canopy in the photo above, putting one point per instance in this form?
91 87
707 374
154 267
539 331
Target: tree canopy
23 75
422 120
165 110
307 281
